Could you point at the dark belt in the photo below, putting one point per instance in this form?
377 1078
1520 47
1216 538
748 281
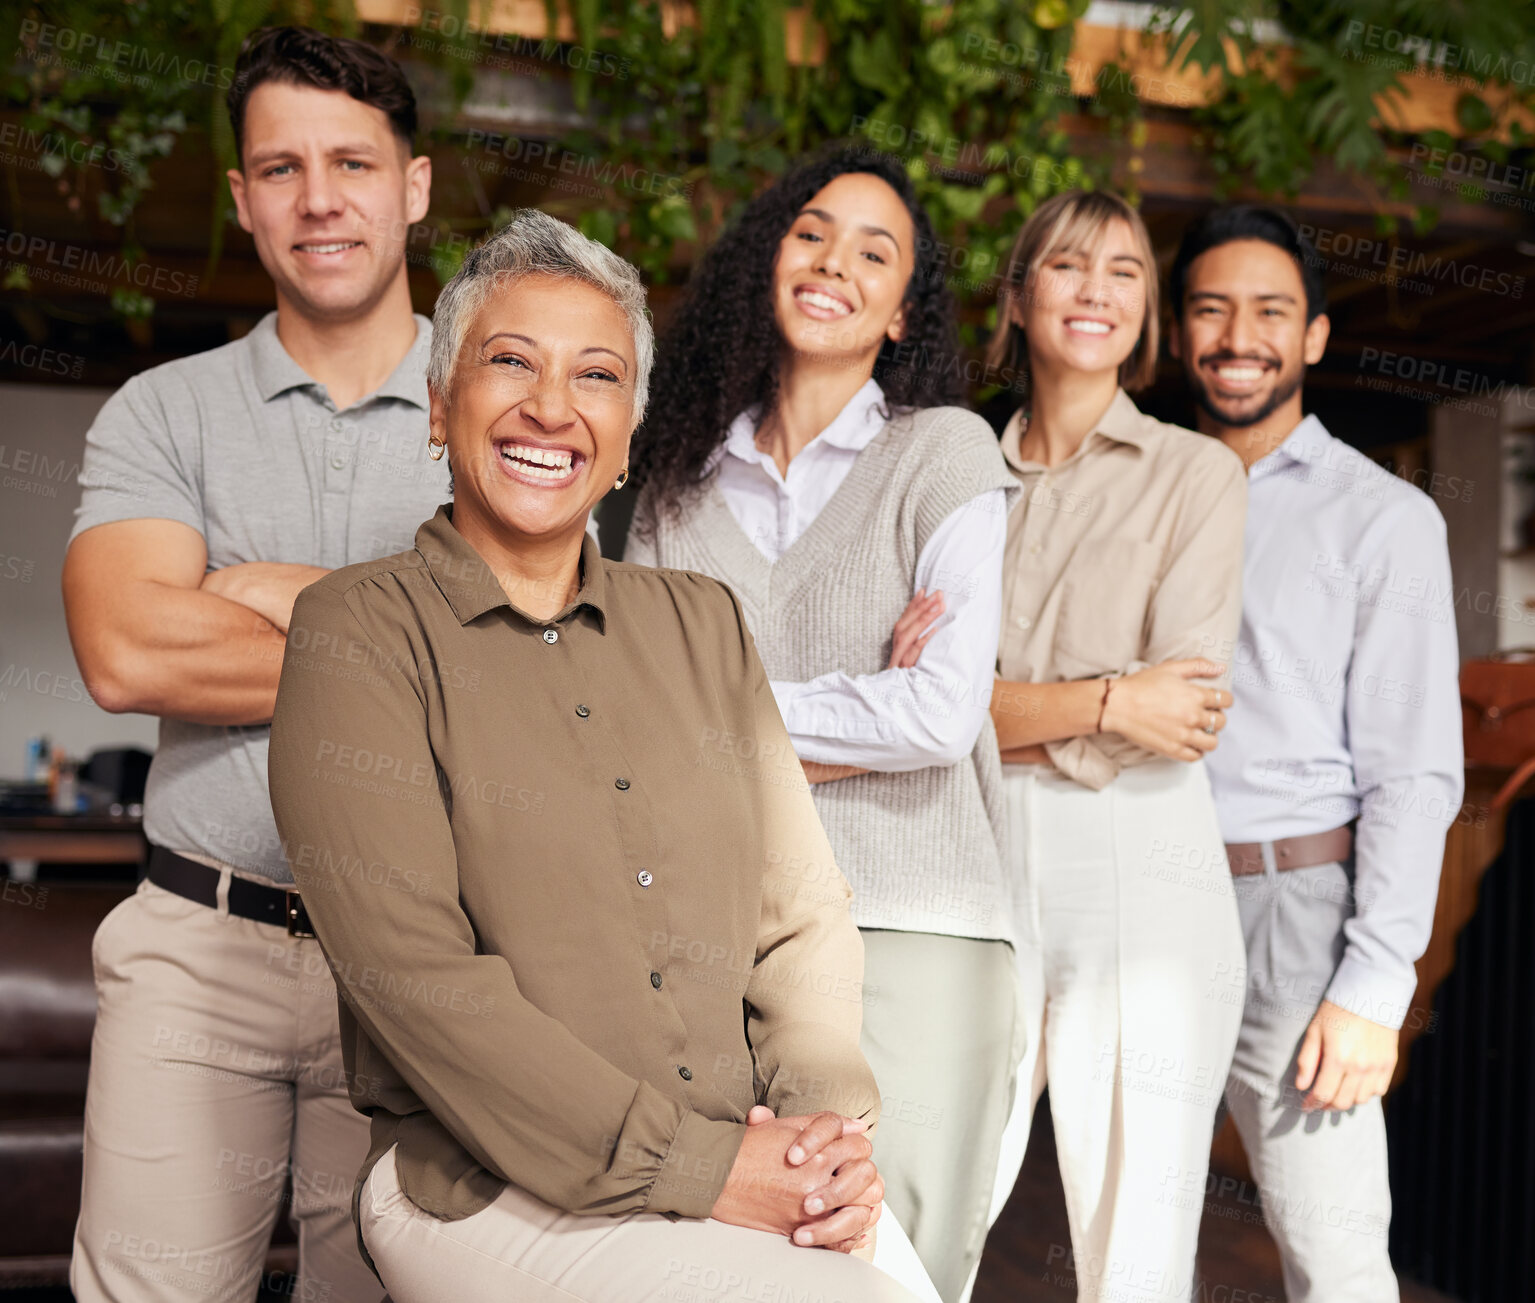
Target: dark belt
278 906
1246 858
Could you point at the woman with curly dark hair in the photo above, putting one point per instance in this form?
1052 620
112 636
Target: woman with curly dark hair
803 446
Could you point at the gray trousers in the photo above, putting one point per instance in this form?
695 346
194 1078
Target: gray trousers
1322 1176
940 1031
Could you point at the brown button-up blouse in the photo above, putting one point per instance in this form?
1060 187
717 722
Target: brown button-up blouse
568 876
1126 554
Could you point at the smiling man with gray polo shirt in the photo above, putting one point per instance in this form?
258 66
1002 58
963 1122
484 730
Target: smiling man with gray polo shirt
215 488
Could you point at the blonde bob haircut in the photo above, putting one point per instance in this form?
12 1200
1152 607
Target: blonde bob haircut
1073 222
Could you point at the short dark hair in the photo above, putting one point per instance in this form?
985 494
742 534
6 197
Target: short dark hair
1249 222
301 56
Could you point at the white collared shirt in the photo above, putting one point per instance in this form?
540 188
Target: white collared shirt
1345 677
878 721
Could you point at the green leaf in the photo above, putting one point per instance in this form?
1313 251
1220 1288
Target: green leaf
600 224
1472 113
874 63
673 218
965 202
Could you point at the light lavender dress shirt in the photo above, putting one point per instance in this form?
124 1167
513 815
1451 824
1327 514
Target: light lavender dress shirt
1347 705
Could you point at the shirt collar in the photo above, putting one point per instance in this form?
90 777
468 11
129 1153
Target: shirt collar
860 419
1122 422
471 586
1306 443
276 372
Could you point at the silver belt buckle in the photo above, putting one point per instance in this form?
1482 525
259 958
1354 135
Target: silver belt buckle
294 908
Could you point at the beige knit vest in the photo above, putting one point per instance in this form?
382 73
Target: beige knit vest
922 849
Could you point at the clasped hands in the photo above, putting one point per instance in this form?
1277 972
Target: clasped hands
811 1178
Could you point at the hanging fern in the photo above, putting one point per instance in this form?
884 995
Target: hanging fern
971 94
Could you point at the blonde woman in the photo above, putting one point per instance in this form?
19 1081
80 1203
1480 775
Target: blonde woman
1122 571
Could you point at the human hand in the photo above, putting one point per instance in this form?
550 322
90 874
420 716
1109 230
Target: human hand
1345 1059
269 588
787 1167
909 637
1163 710
851 1184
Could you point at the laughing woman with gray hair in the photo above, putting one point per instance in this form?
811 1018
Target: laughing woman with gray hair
606 1034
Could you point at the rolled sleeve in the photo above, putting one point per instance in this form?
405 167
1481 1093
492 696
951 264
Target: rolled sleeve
899 720
519 1091
1195 611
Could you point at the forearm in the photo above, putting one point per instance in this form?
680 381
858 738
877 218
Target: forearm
178 652
1028 714
894 721
819 773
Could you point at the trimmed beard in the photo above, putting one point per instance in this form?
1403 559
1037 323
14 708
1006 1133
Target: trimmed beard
1277 399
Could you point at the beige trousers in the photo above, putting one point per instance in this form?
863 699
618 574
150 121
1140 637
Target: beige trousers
522 1250
1132 969
216 1093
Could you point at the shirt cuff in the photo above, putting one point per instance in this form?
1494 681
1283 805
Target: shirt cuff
696 1166
819 1069
1080 759
1366 991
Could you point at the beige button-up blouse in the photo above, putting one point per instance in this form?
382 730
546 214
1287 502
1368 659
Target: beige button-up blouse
1126 554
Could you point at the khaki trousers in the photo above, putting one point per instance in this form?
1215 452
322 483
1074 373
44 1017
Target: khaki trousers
1130 960
1322 1176
215 1078
941 1031
522 1250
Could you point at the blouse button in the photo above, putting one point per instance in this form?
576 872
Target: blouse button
655 980
644 877
1023 622
582 711
622 784
551 636
1037 548
685 1074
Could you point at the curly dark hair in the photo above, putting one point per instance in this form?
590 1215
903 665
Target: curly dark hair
720 354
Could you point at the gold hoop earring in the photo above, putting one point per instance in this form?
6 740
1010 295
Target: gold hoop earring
435 448
623 478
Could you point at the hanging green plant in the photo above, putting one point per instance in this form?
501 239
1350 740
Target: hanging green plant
716 99
105 91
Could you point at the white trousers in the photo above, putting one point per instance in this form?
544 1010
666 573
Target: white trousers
519 1249
1131 965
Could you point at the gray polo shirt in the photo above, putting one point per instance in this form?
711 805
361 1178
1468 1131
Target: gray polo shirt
246 448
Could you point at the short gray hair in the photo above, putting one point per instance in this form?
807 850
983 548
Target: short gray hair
535 244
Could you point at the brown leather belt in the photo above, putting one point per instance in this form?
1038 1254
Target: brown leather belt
279 906
1246 858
